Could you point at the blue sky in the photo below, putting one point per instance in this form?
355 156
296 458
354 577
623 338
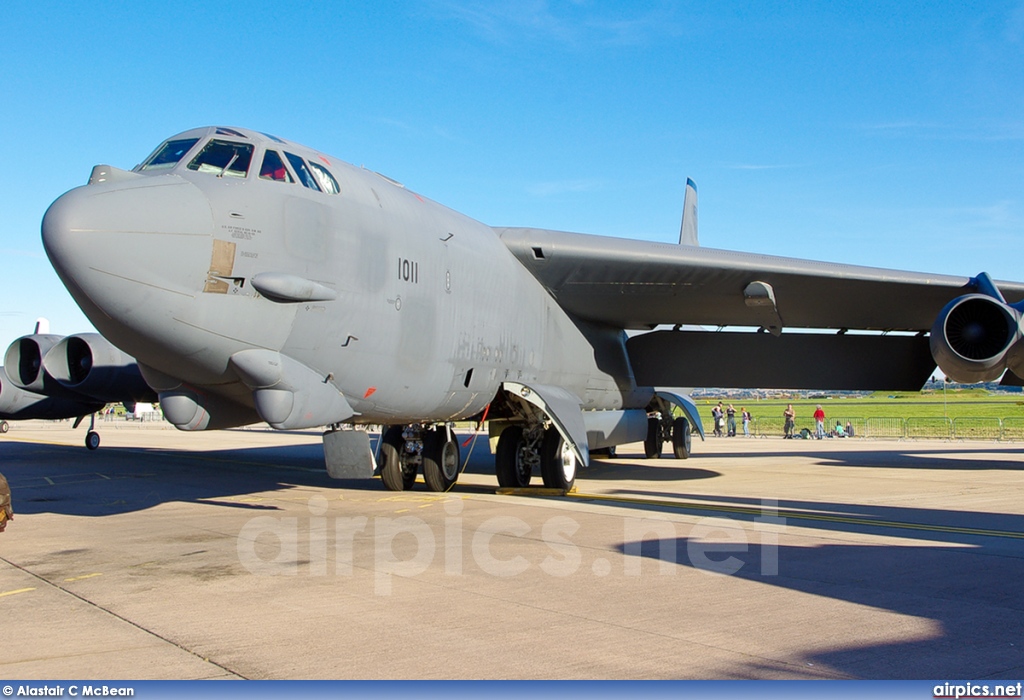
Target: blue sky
876 133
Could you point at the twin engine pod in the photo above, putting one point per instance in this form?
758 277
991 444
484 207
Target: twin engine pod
79 374
978 336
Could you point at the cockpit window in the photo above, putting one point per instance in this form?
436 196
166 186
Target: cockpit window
223 158
273 168
305 176
168 155
324 178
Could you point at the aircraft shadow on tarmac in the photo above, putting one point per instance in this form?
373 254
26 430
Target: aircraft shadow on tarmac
108 481
112 480
968 581
972 593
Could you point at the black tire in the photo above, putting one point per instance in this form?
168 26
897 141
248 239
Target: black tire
396 474
681 438
4 426
92 440
440 459
509 466
558 463
652 444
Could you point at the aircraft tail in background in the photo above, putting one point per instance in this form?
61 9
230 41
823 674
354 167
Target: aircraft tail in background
688 228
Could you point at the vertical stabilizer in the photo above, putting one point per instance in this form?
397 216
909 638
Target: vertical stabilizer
688 229
42 326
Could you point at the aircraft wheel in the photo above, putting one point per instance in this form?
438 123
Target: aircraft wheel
440 459
92 440
396 473
4 426
512 459
681 438
557 461
652 444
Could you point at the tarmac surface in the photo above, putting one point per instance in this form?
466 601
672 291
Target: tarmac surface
232 555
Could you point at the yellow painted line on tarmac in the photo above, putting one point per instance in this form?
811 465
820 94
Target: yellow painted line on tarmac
16 592
532 491
797 515
81 578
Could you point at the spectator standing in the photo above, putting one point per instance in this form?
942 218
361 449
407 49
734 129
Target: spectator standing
745 417
819 422
790 415
730 413
717 419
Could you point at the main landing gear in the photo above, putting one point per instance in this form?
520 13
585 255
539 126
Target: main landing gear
521 451
405 450
662 429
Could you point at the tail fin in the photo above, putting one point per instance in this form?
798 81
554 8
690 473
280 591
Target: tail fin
42 326
688 229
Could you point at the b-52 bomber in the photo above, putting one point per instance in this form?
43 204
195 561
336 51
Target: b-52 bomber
256 279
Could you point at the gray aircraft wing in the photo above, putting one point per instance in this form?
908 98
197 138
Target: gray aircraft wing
641 284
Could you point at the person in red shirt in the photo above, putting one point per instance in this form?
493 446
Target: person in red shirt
819 421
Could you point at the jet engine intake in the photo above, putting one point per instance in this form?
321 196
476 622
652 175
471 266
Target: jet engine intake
89 364
976 337
23 363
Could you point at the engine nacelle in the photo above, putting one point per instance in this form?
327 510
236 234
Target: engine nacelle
976 337
23 363
88 364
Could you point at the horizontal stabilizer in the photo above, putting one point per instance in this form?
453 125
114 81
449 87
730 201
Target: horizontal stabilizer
789 361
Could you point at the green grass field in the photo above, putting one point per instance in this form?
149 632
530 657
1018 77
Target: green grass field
970 413
966 403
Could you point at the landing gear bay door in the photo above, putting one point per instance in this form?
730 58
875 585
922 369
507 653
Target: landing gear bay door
675 397
563 408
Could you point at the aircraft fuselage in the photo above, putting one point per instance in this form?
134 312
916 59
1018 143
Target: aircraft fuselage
411 310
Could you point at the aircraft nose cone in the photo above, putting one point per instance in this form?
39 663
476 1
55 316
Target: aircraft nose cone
129 248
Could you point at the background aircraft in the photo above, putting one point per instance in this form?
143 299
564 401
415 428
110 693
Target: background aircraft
53 377
254 278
